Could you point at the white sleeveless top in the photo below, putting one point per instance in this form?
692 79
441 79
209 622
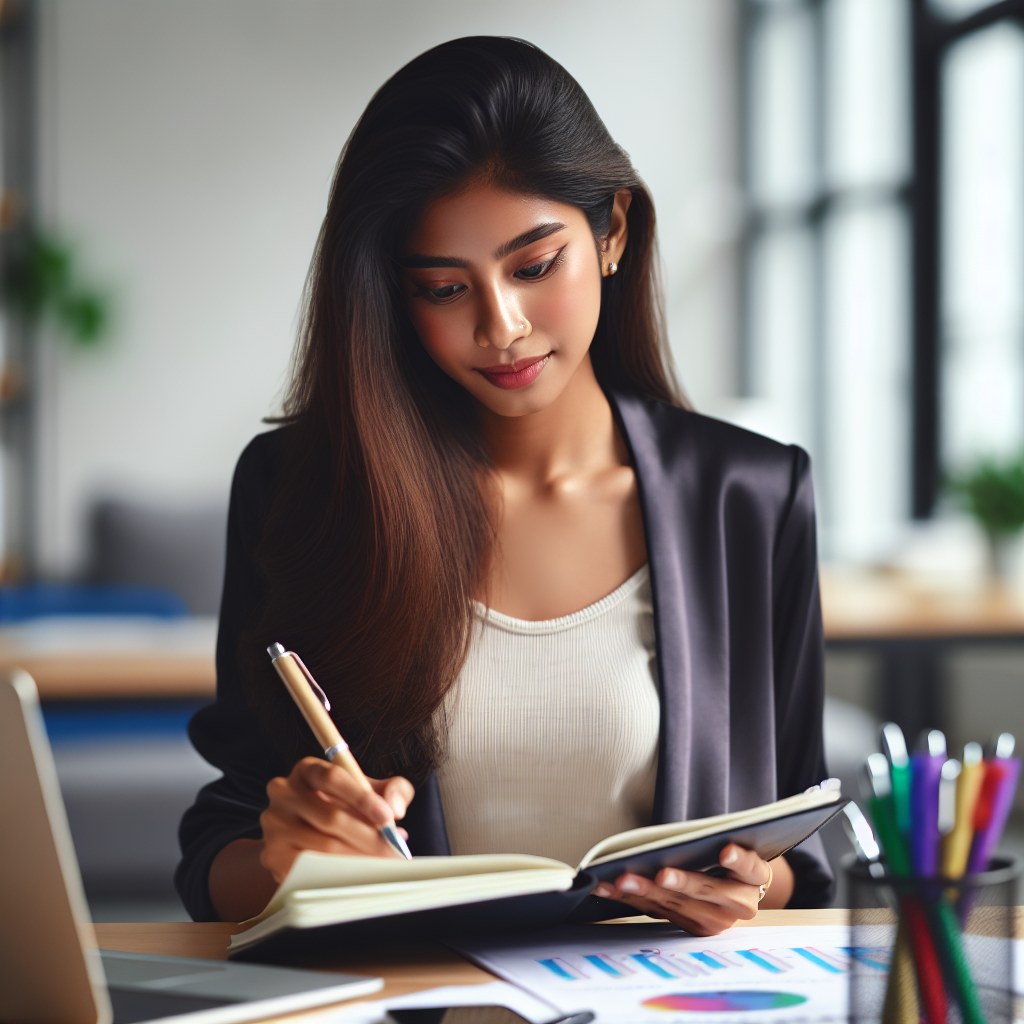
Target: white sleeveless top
552 729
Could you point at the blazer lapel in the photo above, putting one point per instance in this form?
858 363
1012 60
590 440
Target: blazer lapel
693 766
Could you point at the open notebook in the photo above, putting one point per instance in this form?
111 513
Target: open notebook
349 895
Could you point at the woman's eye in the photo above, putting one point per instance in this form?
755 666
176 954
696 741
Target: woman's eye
537 270
446 292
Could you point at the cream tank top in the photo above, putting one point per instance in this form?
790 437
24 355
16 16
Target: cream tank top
552 729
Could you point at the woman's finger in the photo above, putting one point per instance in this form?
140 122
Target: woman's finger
284 840
744 865
695 915
290 808
737 899
397 792
336 784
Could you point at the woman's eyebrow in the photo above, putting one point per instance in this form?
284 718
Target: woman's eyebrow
417 261
523 240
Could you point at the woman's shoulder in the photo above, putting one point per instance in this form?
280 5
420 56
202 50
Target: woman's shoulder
684 441
253 483
261 455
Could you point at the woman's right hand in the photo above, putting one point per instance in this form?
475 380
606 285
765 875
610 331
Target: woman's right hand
320 807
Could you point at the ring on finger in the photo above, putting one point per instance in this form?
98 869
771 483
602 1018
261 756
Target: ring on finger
763 890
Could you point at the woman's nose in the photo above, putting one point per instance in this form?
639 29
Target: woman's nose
500 322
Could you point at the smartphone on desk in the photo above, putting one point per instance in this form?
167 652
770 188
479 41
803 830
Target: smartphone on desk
475 1015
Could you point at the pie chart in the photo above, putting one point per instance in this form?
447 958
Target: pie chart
724 1002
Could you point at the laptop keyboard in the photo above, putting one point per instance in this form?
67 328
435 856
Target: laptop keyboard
123 971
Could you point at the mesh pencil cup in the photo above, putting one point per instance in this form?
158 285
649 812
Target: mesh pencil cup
932 950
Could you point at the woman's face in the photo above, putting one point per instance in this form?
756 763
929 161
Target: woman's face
505 291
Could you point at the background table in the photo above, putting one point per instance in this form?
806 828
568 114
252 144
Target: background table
96 658
910 627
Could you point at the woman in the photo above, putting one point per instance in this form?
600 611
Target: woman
547 602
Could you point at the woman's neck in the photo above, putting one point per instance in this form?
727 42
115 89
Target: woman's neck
575 434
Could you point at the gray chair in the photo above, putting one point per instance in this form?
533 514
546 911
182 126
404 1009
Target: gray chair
177 547
125 792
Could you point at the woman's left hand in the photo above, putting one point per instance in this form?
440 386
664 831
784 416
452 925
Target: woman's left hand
700 903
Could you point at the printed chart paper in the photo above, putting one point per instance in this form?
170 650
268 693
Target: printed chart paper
649 973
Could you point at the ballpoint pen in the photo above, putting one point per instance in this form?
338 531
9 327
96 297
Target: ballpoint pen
315 707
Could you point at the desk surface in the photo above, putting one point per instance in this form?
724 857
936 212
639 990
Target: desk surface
863 605
99 657
405 968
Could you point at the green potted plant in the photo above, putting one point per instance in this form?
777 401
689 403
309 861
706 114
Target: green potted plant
41 280
993 493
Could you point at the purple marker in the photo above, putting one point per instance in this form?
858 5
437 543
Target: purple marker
987 838
925 773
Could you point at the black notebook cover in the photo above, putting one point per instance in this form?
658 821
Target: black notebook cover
769 839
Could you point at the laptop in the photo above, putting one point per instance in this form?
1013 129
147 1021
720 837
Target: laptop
50 969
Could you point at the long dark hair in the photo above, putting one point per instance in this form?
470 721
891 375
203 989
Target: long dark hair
381 533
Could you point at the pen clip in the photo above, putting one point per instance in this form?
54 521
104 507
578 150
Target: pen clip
312 682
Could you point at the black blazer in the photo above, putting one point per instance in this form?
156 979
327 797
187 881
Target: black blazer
729 518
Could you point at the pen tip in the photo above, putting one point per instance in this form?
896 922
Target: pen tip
275 651
392 835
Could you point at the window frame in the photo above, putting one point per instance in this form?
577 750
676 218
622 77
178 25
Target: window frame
931 35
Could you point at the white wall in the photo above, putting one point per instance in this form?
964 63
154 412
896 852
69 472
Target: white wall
189 145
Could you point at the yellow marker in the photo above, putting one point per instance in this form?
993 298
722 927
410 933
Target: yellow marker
901 1005
956 847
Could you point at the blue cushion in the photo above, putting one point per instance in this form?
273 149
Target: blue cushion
39 600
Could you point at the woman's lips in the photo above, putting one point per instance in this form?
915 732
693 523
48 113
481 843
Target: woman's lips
510 377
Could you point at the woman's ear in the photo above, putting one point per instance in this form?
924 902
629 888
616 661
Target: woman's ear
613 245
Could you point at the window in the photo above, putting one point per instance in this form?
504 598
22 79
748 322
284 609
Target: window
884 258
827 324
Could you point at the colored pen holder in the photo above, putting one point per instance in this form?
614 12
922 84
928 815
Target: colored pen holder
931 950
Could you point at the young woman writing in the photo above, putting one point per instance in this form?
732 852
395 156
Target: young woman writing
547 602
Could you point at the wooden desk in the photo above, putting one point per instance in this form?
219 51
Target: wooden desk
409 967
97 658
909 628
863 605
105 677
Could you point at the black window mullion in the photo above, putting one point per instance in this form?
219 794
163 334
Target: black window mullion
926 259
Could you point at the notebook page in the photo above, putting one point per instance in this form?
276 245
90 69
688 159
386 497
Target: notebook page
313 870
654 837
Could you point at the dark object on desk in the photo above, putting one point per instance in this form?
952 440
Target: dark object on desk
281 938
179 548
474 1015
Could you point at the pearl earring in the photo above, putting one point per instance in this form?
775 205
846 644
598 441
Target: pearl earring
612 267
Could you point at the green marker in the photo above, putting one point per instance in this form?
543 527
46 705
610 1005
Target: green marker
946 929
882 805
895 747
